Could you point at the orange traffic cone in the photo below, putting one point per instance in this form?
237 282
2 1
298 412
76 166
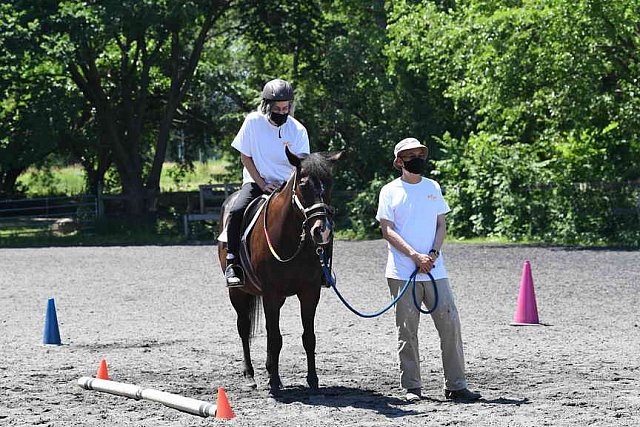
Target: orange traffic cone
103 374
527 309
223 409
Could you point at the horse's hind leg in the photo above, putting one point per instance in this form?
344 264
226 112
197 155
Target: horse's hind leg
308 304
274 341
244 304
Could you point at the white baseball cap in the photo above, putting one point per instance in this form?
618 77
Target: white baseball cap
406 144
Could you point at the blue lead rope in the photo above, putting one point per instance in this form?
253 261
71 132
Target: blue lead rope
435 294
412 278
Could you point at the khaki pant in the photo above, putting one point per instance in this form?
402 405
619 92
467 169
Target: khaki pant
447 323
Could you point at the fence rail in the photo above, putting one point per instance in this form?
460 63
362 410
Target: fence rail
47 214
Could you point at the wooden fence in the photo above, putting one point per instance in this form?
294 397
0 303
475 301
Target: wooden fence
47 214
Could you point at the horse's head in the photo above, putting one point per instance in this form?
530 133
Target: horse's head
313 192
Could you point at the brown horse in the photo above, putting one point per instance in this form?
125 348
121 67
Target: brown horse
283 247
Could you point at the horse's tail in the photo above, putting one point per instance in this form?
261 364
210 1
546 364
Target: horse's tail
255 304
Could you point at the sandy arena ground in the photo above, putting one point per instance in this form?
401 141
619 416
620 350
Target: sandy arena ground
161 318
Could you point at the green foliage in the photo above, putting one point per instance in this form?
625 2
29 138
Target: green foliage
542 98
175 177
53 181
496 189
363 209
527 106
38 111
70 180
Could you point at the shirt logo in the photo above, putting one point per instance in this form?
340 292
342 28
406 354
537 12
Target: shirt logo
432 197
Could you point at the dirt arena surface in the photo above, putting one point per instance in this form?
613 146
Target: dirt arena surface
160 317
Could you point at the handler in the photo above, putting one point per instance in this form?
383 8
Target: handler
261 141
411 212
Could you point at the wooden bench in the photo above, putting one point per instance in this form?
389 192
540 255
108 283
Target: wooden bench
211 198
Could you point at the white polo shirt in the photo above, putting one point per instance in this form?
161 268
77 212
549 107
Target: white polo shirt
413 209
264 143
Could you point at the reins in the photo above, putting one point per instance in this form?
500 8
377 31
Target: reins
303 236
315 210
412 279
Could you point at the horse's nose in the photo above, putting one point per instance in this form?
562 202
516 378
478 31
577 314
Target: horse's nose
317 233
321 233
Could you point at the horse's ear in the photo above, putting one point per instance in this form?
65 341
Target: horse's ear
293 159
333 156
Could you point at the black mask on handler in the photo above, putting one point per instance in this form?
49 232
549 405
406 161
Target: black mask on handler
415 165
277 118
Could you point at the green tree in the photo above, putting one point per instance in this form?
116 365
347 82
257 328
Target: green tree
134 63
544 95
39 112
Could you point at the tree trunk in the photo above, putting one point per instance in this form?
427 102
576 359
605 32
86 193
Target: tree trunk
8 179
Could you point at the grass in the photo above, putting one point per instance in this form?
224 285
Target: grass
173 179
67 180
70 180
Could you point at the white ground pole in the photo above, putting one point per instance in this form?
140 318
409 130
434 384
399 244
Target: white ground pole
181 403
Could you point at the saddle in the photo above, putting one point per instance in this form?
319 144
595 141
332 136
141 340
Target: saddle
249 219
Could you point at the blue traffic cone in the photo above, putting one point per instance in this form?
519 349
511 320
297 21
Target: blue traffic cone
51 332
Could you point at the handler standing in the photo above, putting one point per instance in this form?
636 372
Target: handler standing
411 212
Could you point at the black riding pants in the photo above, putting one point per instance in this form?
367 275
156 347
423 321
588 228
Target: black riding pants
247 194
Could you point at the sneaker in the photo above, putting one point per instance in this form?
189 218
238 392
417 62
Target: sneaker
413 395
233 275
463 395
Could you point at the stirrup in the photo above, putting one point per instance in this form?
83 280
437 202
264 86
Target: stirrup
234 276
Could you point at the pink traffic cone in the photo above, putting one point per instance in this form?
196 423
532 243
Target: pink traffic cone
526 310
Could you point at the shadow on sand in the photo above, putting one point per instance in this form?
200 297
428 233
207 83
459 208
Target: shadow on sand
343 397
389 406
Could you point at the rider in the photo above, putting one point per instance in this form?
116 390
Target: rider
261 142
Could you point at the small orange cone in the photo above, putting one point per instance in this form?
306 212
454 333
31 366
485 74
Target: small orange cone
223 409
526 309
103 374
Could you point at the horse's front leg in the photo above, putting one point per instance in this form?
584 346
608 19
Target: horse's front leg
244 304
272 307
308 304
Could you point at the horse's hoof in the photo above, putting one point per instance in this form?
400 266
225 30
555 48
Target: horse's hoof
313 383
274 393
249 386
275 390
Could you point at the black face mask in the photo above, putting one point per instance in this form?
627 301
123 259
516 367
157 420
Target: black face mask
277 118
415 165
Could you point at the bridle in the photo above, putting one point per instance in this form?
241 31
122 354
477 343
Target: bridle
317 210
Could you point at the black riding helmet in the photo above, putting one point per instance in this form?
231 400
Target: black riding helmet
278 90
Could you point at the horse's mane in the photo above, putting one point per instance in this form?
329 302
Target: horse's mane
316 165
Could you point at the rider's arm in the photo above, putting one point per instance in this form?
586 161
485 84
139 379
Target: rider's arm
247 162
390 235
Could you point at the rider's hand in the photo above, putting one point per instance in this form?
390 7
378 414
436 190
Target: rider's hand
423 262
270 187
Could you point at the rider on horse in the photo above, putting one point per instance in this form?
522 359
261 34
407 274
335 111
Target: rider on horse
261 142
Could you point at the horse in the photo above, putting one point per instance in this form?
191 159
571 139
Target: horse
292 230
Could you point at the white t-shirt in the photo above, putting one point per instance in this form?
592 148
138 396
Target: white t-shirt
264 143
413 209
